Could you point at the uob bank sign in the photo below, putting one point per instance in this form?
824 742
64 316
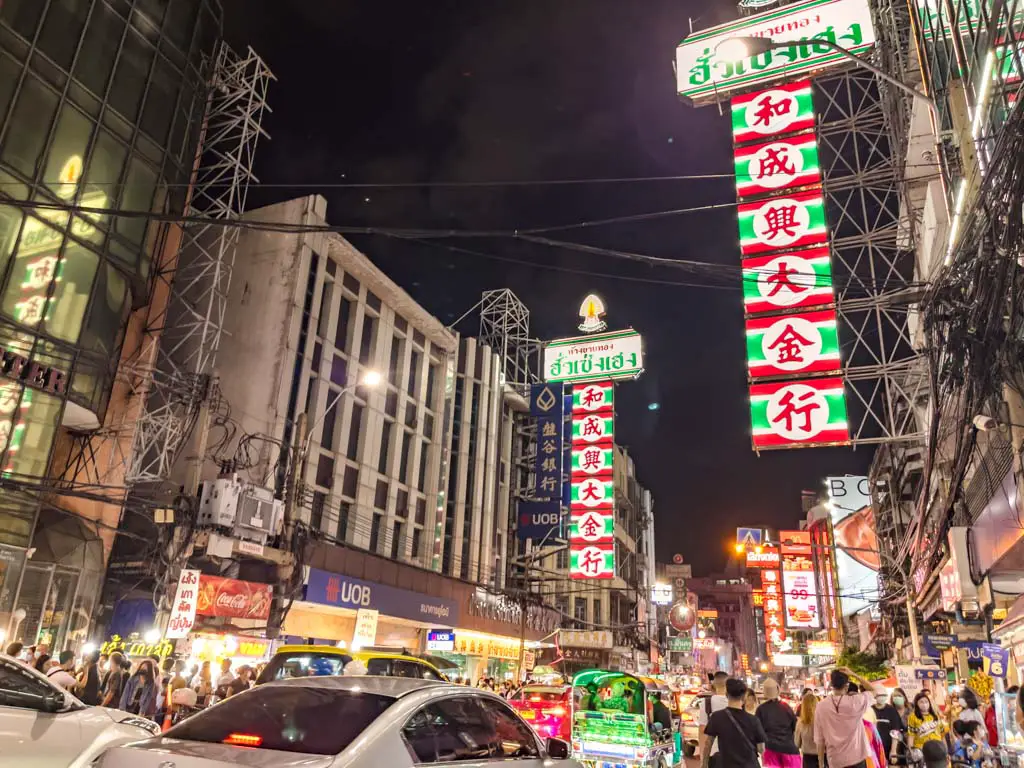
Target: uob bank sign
326 588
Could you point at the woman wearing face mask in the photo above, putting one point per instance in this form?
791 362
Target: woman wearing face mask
924 725
899 700
971 710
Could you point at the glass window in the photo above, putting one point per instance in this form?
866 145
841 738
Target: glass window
402 503
415 552
35 106
450 730
396 357
385 446
139 187
63 25
403 467
396 540
380 496
369 336
289 719
130 75
66 153
350 282
421 511
8 79
422 479
339 370
35 267
161 100
350 482
28 448
15 680
342 334
99 48
22 15
327 433
355 429
514 737
372 300
391 404
104 327
379 667
104 171
414 372
325 472
76 272
180 22
344 509
374 543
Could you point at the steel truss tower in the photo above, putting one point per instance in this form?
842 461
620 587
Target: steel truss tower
172 369
862 144
505 327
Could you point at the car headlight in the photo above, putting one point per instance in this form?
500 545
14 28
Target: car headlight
141 722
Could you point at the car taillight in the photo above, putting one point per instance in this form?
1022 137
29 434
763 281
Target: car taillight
243 740
555 712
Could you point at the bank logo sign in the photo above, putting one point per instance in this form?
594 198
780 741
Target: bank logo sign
704 76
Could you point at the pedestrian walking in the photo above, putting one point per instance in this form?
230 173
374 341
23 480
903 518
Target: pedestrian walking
739 734
88 687
839 723
971 709
202 684
241 681
718 700
112 684
142 691
779 723
888 722
750 701
803 735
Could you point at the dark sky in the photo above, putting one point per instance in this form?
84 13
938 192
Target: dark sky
452 90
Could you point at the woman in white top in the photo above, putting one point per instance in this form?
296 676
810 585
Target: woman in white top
804 734
972 712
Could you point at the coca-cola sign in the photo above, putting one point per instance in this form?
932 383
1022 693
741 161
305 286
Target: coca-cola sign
233 599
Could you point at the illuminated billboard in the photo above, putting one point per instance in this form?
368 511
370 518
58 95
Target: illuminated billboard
853 530
705 70
597 357
777 165
797 280
592 488
787 345
791 221
799 585
788 414
786 108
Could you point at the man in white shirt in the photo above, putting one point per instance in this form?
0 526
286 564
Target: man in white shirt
61 674
716 701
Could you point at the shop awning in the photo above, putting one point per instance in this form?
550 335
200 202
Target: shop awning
1014 619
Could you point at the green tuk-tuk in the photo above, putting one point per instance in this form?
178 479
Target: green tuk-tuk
614 722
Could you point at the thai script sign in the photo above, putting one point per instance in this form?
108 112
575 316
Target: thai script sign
598 357
183 609
704 73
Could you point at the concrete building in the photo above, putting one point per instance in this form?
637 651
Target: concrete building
731 596
308 316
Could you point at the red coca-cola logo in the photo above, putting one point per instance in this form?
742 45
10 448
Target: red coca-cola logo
233 599
237 602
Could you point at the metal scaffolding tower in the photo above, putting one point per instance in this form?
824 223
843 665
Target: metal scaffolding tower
862 144
189 330
505 327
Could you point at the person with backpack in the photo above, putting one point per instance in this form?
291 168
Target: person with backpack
711 704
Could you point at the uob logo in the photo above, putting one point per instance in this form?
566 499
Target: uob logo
541 518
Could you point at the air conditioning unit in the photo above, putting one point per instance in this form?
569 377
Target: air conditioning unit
259 514
218 501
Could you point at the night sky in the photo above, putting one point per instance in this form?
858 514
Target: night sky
454 91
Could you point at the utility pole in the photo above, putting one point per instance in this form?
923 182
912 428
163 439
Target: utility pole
296 475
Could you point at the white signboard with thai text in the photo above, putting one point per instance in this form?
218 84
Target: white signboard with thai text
598 357
183 610
704 75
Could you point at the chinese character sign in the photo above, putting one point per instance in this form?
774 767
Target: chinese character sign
774 621
792 344
790 222
786 108
547 403
777 165
797 280
183 610
592 496
789 414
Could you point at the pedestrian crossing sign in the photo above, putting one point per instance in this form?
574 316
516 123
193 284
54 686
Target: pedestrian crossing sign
749 537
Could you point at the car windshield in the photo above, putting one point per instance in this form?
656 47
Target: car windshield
304 664
541 696
20 688
290 718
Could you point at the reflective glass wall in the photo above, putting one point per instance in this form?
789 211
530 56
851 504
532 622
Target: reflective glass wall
101 105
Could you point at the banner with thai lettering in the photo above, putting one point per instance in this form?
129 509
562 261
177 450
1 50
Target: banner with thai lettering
790 222
788 345
786 108
183 609
233 599
777 282
796 413
777 165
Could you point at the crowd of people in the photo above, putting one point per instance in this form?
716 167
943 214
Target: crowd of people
145 687
854 726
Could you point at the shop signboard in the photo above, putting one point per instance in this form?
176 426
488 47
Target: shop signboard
592 428
472 644
593 460
707 70
681 644
796 344
593 398
593 526
183 609
934 645
592 487
547 405
784 108
856 546
441 640
135 646
592 561
597 639
777 165
791 222
705 644
661 594
774 618
335 589
539 520
796 280
598 357
768 557
791 414
365 633
233 599
799 585
822 648
789 660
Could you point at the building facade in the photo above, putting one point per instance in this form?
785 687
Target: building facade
101 107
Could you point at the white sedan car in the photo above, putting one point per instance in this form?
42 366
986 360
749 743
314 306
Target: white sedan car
355 722
44 726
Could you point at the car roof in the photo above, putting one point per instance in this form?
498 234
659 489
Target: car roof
333 650
395 687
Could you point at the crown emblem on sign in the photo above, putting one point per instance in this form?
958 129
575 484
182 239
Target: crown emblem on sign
591 311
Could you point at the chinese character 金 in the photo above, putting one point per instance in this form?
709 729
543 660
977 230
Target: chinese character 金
790 345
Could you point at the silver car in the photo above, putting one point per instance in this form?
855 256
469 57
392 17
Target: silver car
355 722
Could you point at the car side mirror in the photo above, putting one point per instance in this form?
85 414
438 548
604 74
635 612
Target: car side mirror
558 749
54 702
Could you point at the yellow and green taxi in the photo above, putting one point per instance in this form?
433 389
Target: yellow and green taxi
310 660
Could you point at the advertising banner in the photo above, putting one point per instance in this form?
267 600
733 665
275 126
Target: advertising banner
598 357
183 609
661 594
706 69
547 403
777 165
801 343
335 589
774 617
233 599
797 280
768 557
790 222
593 526
592 485
790 414
786 108
853 527
539 520
798 582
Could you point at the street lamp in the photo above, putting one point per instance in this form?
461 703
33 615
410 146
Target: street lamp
370 379
743 47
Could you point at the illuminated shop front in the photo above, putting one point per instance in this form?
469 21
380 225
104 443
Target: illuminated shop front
100 109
